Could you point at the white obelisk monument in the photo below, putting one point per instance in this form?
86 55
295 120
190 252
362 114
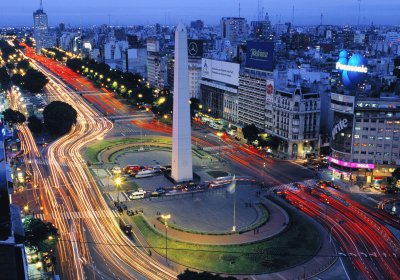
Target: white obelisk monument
182 166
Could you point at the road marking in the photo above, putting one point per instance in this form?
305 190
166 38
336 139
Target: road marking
79 215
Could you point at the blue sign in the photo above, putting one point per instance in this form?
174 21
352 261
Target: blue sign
260 55
354 69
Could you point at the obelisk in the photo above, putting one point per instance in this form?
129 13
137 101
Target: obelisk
182 166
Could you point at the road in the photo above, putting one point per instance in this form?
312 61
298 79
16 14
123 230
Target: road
363 238
88 247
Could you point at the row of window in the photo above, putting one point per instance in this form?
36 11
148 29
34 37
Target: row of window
386 146
357 136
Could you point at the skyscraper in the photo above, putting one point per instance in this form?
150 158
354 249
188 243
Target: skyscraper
182 166
40 28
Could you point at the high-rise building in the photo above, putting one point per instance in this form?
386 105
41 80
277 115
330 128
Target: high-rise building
365 137
182 166
261 29
233 29
40 28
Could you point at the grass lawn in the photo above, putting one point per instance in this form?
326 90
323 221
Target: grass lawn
216 174
297 244
94 149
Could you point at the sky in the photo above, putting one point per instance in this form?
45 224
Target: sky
170 12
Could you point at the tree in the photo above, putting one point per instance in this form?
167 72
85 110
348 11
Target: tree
35 124
192 275
273 142
250 133
59 117
33 81
39 235
194 106
5 79
13 117
396 175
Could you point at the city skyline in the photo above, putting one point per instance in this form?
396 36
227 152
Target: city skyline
307 12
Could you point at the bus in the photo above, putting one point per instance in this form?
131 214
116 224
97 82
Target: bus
147 173
125 227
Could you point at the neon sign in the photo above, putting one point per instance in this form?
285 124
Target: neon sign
352 164
353 69
344 67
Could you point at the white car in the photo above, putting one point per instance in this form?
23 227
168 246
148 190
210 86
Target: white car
116 170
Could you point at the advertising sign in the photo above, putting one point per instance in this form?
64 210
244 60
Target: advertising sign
270 91
352 164
195 48
341 136
352 68
259 55
221 71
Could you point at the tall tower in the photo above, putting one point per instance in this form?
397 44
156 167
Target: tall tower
182 166
40 29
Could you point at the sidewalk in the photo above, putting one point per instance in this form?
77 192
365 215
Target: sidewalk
278 220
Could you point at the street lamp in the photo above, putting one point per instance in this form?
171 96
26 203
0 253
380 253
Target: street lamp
118 185
166 217
219 134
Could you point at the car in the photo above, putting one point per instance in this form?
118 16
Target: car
155 194
160 191
116 170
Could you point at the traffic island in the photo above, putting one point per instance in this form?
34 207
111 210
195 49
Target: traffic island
296 244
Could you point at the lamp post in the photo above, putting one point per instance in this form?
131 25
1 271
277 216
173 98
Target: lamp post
118 185
219 134
166 217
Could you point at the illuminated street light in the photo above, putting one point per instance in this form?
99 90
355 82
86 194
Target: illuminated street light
166 217
118 182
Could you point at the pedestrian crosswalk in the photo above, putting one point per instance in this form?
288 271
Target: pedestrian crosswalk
79 215
216 148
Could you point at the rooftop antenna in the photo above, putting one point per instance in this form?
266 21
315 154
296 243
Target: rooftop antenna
41 5
322 18
359 13
239 8
258 10
293 15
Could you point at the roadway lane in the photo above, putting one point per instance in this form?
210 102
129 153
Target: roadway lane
76 191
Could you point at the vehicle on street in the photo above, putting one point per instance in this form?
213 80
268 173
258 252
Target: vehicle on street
147 173
139 194
131 169
116 170
125 227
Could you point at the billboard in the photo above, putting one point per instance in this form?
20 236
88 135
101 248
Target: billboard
352 68
259 55
342 132
270 91
221 71
195 48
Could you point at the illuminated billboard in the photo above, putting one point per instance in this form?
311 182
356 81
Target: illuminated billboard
195 48
341 136
221 71
259 55
270 90
352 68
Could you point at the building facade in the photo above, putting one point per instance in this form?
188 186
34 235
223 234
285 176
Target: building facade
233 29
252 97
365 137
296 120
40 29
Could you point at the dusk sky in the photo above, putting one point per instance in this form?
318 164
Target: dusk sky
130 12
